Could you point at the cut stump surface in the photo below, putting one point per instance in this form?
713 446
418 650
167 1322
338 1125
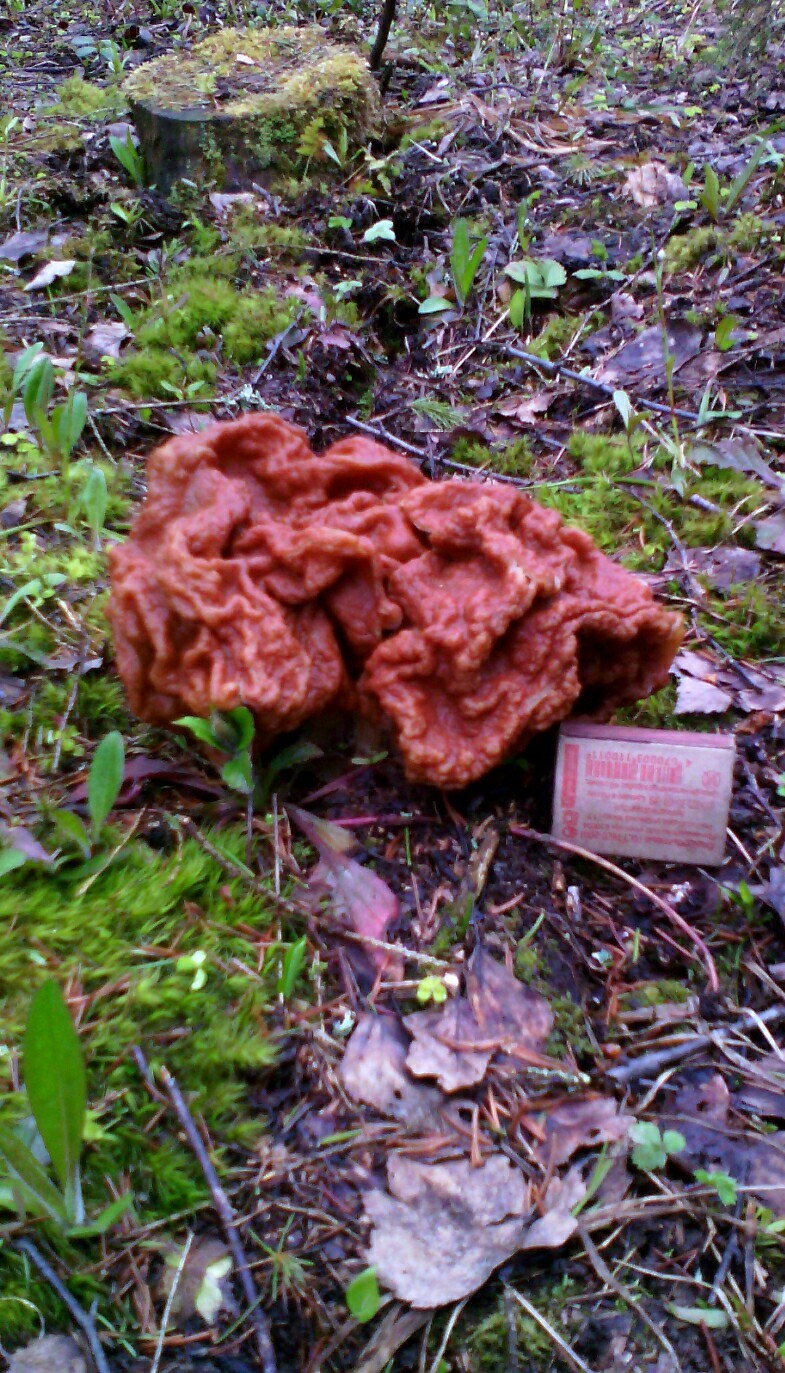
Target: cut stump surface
250 105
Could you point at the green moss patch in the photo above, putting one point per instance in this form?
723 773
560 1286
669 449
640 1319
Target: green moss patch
201 320
130 940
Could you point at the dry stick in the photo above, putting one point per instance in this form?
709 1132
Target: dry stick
556 369
226 1215
382 34
83 1318
663 1058
573 1359
159 1348
664 906
605 1275
378 431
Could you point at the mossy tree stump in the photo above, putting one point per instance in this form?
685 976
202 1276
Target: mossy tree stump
250 105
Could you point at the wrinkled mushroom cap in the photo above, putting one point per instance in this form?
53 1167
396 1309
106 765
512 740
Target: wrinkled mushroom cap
461 613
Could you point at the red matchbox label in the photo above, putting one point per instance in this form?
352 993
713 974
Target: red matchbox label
644 793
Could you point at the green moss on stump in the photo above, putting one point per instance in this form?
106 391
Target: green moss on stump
245 104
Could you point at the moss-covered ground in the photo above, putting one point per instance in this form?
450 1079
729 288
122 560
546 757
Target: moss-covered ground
307 298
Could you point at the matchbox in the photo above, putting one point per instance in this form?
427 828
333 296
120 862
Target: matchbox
644 793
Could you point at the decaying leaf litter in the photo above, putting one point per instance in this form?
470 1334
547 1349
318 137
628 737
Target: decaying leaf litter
481 1105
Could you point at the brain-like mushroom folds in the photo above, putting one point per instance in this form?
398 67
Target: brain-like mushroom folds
463 614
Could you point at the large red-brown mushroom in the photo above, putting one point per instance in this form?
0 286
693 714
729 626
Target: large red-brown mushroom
463 614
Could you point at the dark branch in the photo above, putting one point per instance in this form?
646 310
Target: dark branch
383 33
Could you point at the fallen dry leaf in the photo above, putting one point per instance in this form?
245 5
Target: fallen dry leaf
654 184
695 697
723 567
701 1115
740 454
435 1052
444 1227
23 244
105 340
373 1072
203 1286
513 1015
50 272
642 360
578 1123
223 202
358 896
557 1224
770 533
525 409
50 1354
455 1044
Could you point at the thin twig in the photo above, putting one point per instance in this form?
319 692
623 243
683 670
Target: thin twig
561 1344
83 1318
558 370
226 1215
170 1302
605 1275
665 906
663 1058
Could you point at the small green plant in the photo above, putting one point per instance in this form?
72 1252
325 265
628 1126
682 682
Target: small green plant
232 733
382 229
362 1296
104 781
55 1081
539 280
464 260
652 1147
724 1185
61 428
719 201
292 963
128 156
431 989
93 499
129 215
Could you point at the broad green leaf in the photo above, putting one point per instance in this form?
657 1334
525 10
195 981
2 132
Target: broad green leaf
38 389
36 587
624 406
94 499
301 752
240 723
673 1141
70 420
724 331
724 1185
105 779
362 1296
434 305
700 1315
73 829
517 309
55 1081
24 364
237 773
27 1179
201 729
295 956
10 860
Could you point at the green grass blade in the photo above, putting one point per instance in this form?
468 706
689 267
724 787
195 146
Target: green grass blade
55 1081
